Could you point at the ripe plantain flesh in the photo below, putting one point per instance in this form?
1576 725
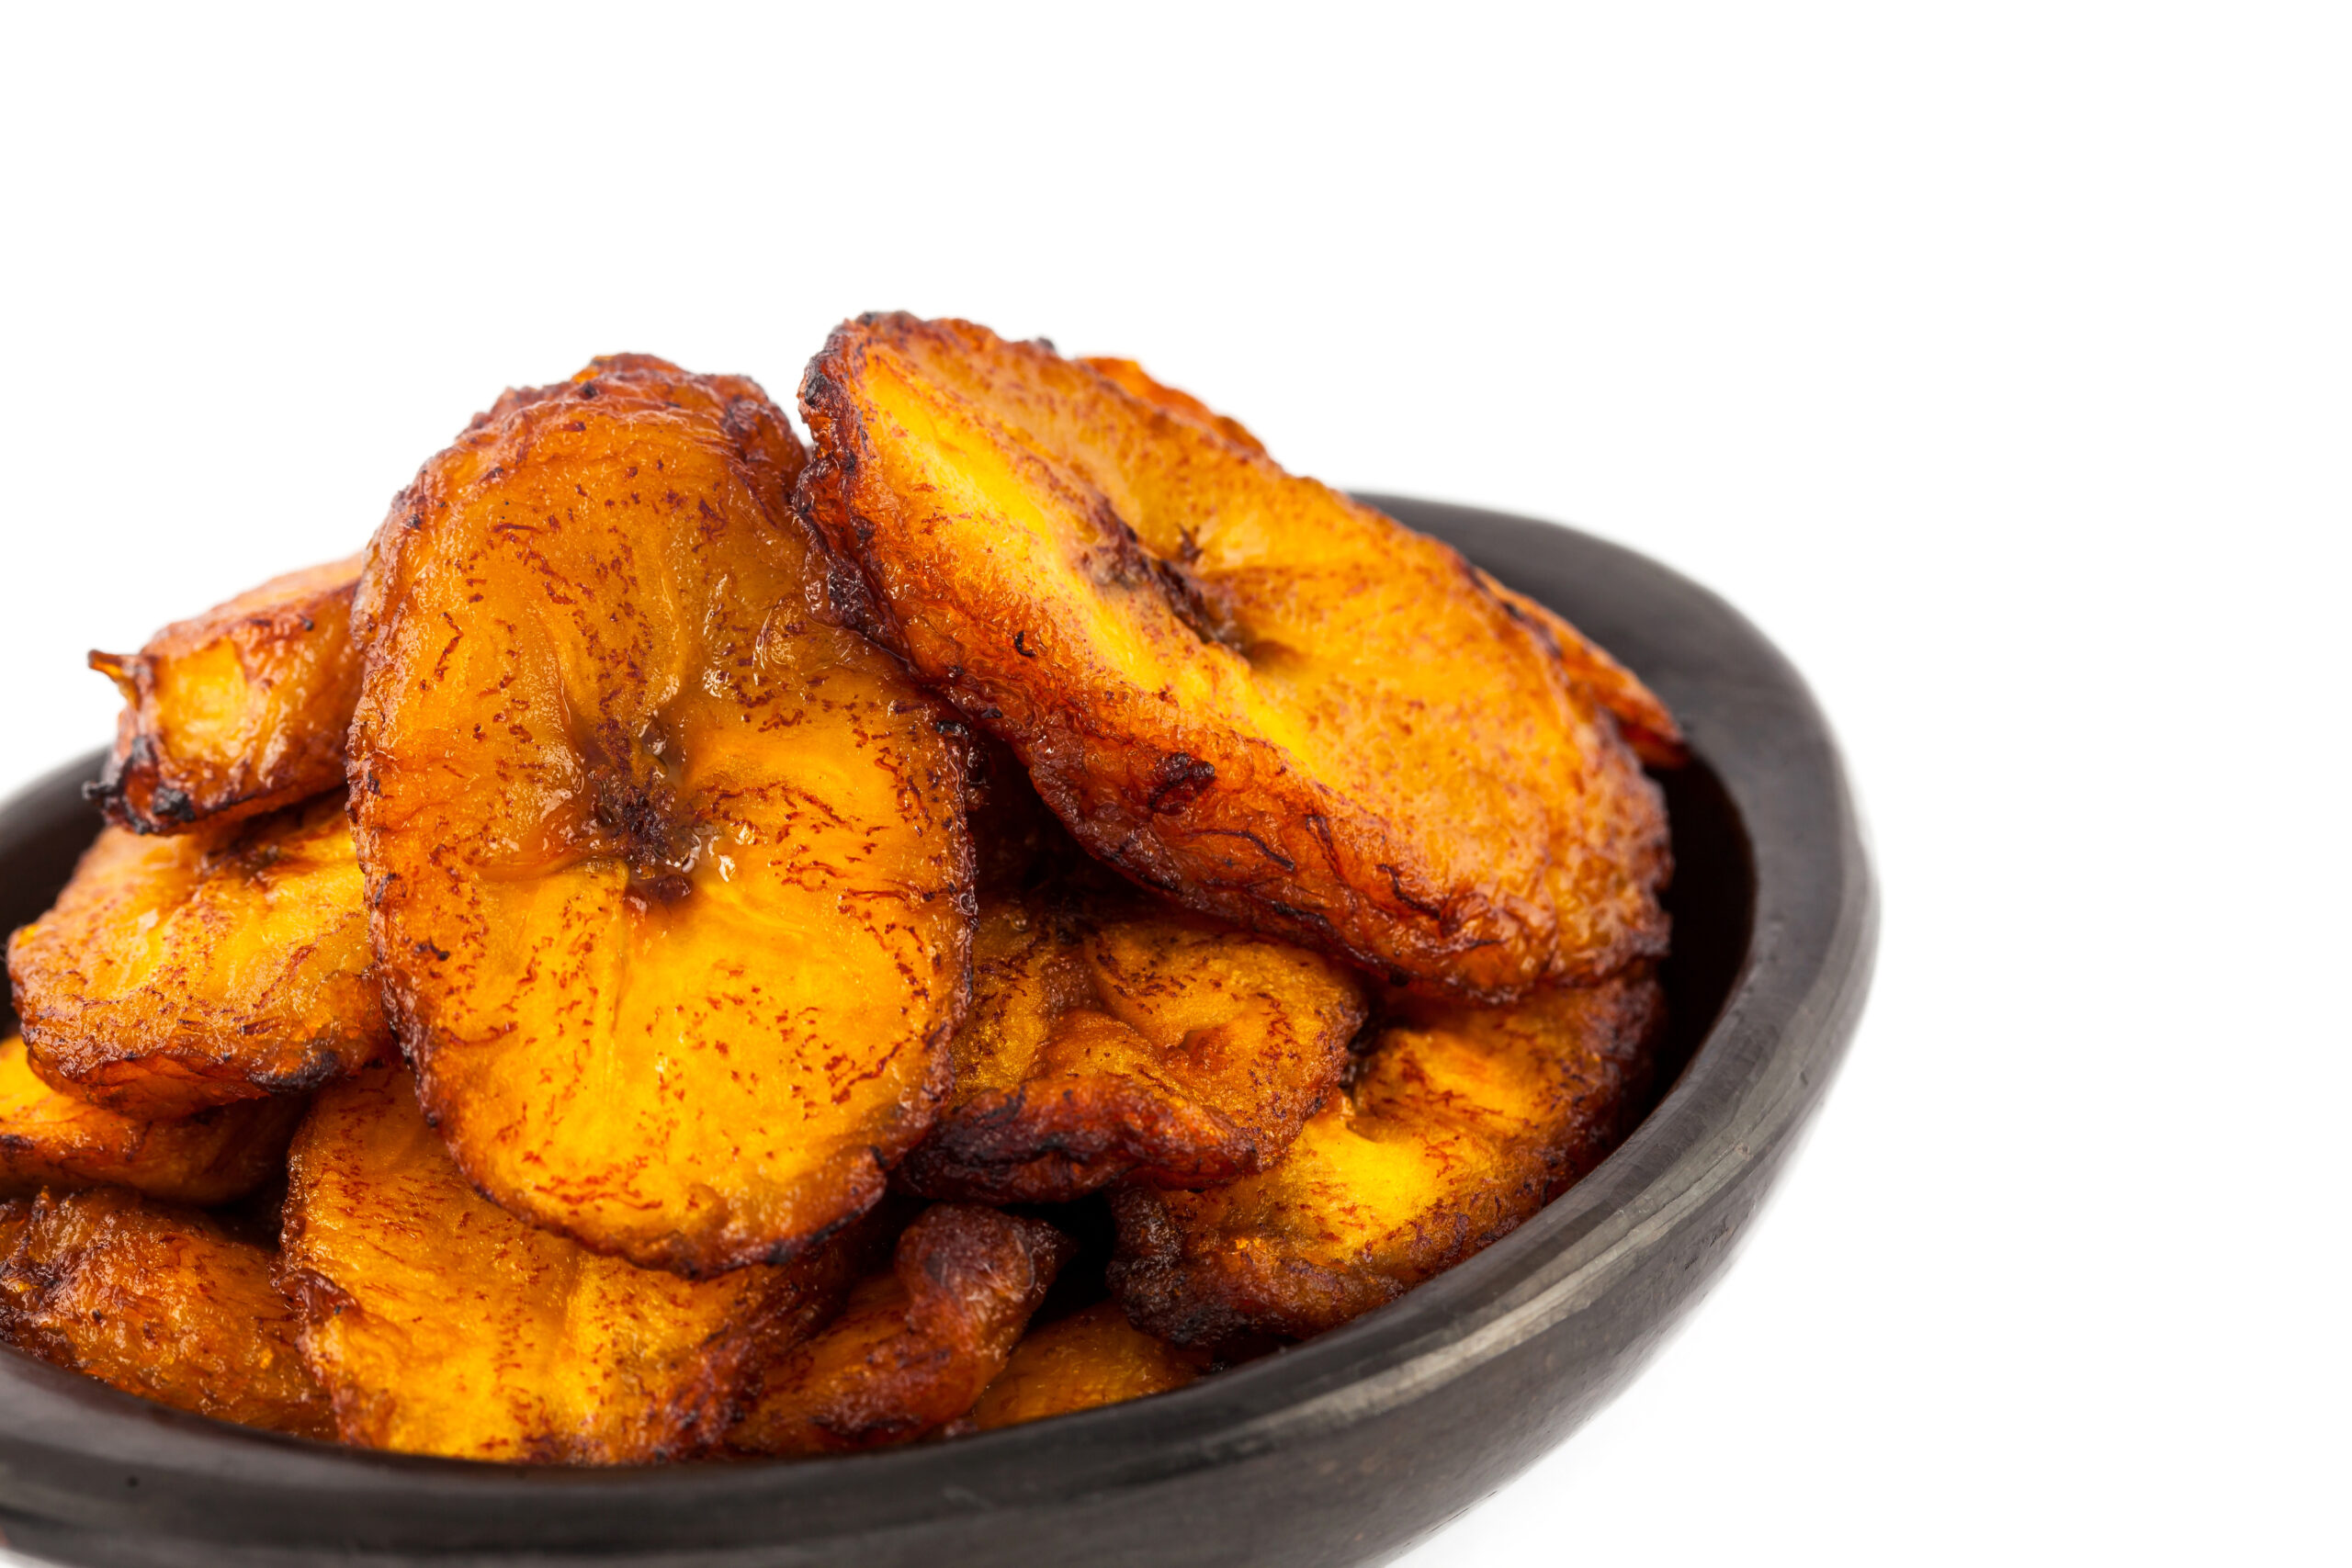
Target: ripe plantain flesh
241 710
1460 1123
1133 379
158 1301
1091 1358
1644 721
1114 1037
1239 687
224 964
917 1345
442 1325
56 1140
669 878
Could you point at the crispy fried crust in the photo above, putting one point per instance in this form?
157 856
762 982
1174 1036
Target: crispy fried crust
1114 1037
917 1345
1132 378
1238 687
1091 1358
1641 719
440 1323
51 1139
224 964
670 879
242 710
158 1300
1460 1124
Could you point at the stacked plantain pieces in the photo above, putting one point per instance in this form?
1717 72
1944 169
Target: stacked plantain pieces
692 947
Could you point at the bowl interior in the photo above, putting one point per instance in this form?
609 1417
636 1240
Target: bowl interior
1712 901
43 830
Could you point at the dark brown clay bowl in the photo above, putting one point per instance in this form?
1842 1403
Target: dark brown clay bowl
1345 1450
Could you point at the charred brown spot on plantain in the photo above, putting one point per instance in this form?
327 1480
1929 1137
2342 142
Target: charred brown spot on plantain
1179 781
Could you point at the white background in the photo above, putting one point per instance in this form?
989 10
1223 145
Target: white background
1996 359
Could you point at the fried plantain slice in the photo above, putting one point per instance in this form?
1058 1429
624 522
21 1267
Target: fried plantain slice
1460 1123
158 1301
52 1139
440 1323
241 710
670 879
1643 720
1132 378
1110 1036
1241 688
917 1345
224 965
1091 1358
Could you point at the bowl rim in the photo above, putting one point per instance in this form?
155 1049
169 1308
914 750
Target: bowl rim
77 1452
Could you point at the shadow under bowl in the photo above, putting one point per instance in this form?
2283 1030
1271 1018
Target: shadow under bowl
1344 1449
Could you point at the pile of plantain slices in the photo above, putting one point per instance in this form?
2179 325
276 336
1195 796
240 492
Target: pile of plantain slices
695 944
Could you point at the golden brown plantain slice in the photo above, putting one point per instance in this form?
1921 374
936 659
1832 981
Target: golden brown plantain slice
1239 687
1111 1037
52 1139
1641 719
1132 378
1460 1123
1091 1358
158 1300
441 1323
916 1344
224 965
670 879
242 710
1644 721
